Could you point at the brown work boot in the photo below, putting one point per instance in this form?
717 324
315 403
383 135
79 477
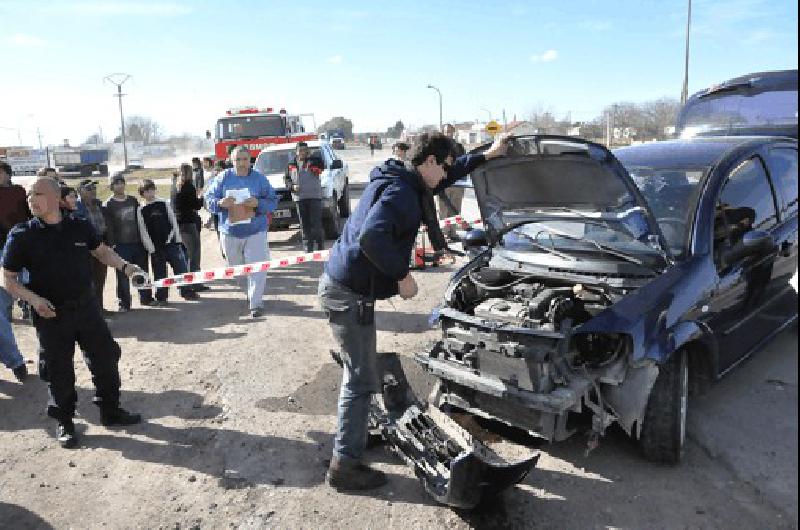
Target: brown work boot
350 475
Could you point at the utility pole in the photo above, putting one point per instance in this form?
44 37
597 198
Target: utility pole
685 91
39 134
118 79
505 123
440 105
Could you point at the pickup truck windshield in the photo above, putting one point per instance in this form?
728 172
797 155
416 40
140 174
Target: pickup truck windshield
244 127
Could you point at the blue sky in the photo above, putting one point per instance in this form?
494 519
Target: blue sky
368 61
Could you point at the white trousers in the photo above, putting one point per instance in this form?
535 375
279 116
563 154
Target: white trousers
241 250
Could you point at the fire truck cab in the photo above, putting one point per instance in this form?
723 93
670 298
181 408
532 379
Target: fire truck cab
257 128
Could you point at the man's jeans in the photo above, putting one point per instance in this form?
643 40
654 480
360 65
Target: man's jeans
241 250
360 379
310 213
10 355
136 254
172 253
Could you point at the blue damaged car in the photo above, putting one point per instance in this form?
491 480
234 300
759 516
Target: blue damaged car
605 287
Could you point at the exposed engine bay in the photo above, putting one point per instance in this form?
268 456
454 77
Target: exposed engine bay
512 350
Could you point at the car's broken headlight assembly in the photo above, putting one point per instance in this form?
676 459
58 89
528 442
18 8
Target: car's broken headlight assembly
596 350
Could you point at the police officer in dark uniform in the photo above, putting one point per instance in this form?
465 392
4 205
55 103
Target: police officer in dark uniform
55 249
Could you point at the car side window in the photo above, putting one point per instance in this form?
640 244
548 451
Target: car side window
745 203
782 163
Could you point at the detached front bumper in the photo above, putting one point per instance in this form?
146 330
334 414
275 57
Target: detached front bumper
455 468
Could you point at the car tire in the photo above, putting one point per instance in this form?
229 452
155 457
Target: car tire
331 223
664 431
344 201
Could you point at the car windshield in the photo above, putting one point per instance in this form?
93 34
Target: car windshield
274 161
619 237
240 127
740 109
670 192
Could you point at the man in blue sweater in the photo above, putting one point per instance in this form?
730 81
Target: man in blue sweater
370 262
242 197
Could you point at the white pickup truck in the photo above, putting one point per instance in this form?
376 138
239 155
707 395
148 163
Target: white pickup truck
273 161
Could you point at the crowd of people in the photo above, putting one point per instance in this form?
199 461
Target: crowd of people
58 242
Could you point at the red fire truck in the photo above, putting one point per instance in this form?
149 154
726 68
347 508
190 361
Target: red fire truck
257 128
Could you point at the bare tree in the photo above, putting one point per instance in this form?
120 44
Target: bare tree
143 129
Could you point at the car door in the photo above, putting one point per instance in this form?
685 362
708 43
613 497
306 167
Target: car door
782 165
746 202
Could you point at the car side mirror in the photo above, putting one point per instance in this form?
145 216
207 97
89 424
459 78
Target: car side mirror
475 238
754 243
337 164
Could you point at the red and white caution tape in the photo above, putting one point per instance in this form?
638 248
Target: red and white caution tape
225 273
455 220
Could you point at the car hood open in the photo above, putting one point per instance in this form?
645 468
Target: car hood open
549 173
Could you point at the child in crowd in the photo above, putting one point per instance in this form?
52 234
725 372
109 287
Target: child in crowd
161 238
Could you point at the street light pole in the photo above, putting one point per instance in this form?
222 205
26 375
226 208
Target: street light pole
118 80
685 91
440 105
487 112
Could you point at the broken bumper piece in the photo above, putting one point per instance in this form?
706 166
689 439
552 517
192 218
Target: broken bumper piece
455 468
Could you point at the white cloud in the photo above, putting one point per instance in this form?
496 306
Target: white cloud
545 57
120 8
23 40
335 59
596 25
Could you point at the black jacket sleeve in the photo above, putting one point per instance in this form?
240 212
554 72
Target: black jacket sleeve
462 167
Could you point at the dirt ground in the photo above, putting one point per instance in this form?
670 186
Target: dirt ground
239 416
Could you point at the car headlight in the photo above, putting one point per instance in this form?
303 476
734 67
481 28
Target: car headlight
595 350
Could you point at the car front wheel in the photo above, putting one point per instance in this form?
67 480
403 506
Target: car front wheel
664 430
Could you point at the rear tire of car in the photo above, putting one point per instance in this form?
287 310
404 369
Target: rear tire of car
664 431
344 202
331 223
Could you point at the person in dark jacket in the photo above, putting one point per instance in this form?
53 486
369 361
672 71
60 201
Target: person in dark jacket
186 204
198 174
123 234
450 199
370 262
161 238
91 209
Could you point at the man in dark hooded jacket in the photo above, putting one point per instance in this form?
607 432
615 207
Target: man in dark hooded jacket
370 262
